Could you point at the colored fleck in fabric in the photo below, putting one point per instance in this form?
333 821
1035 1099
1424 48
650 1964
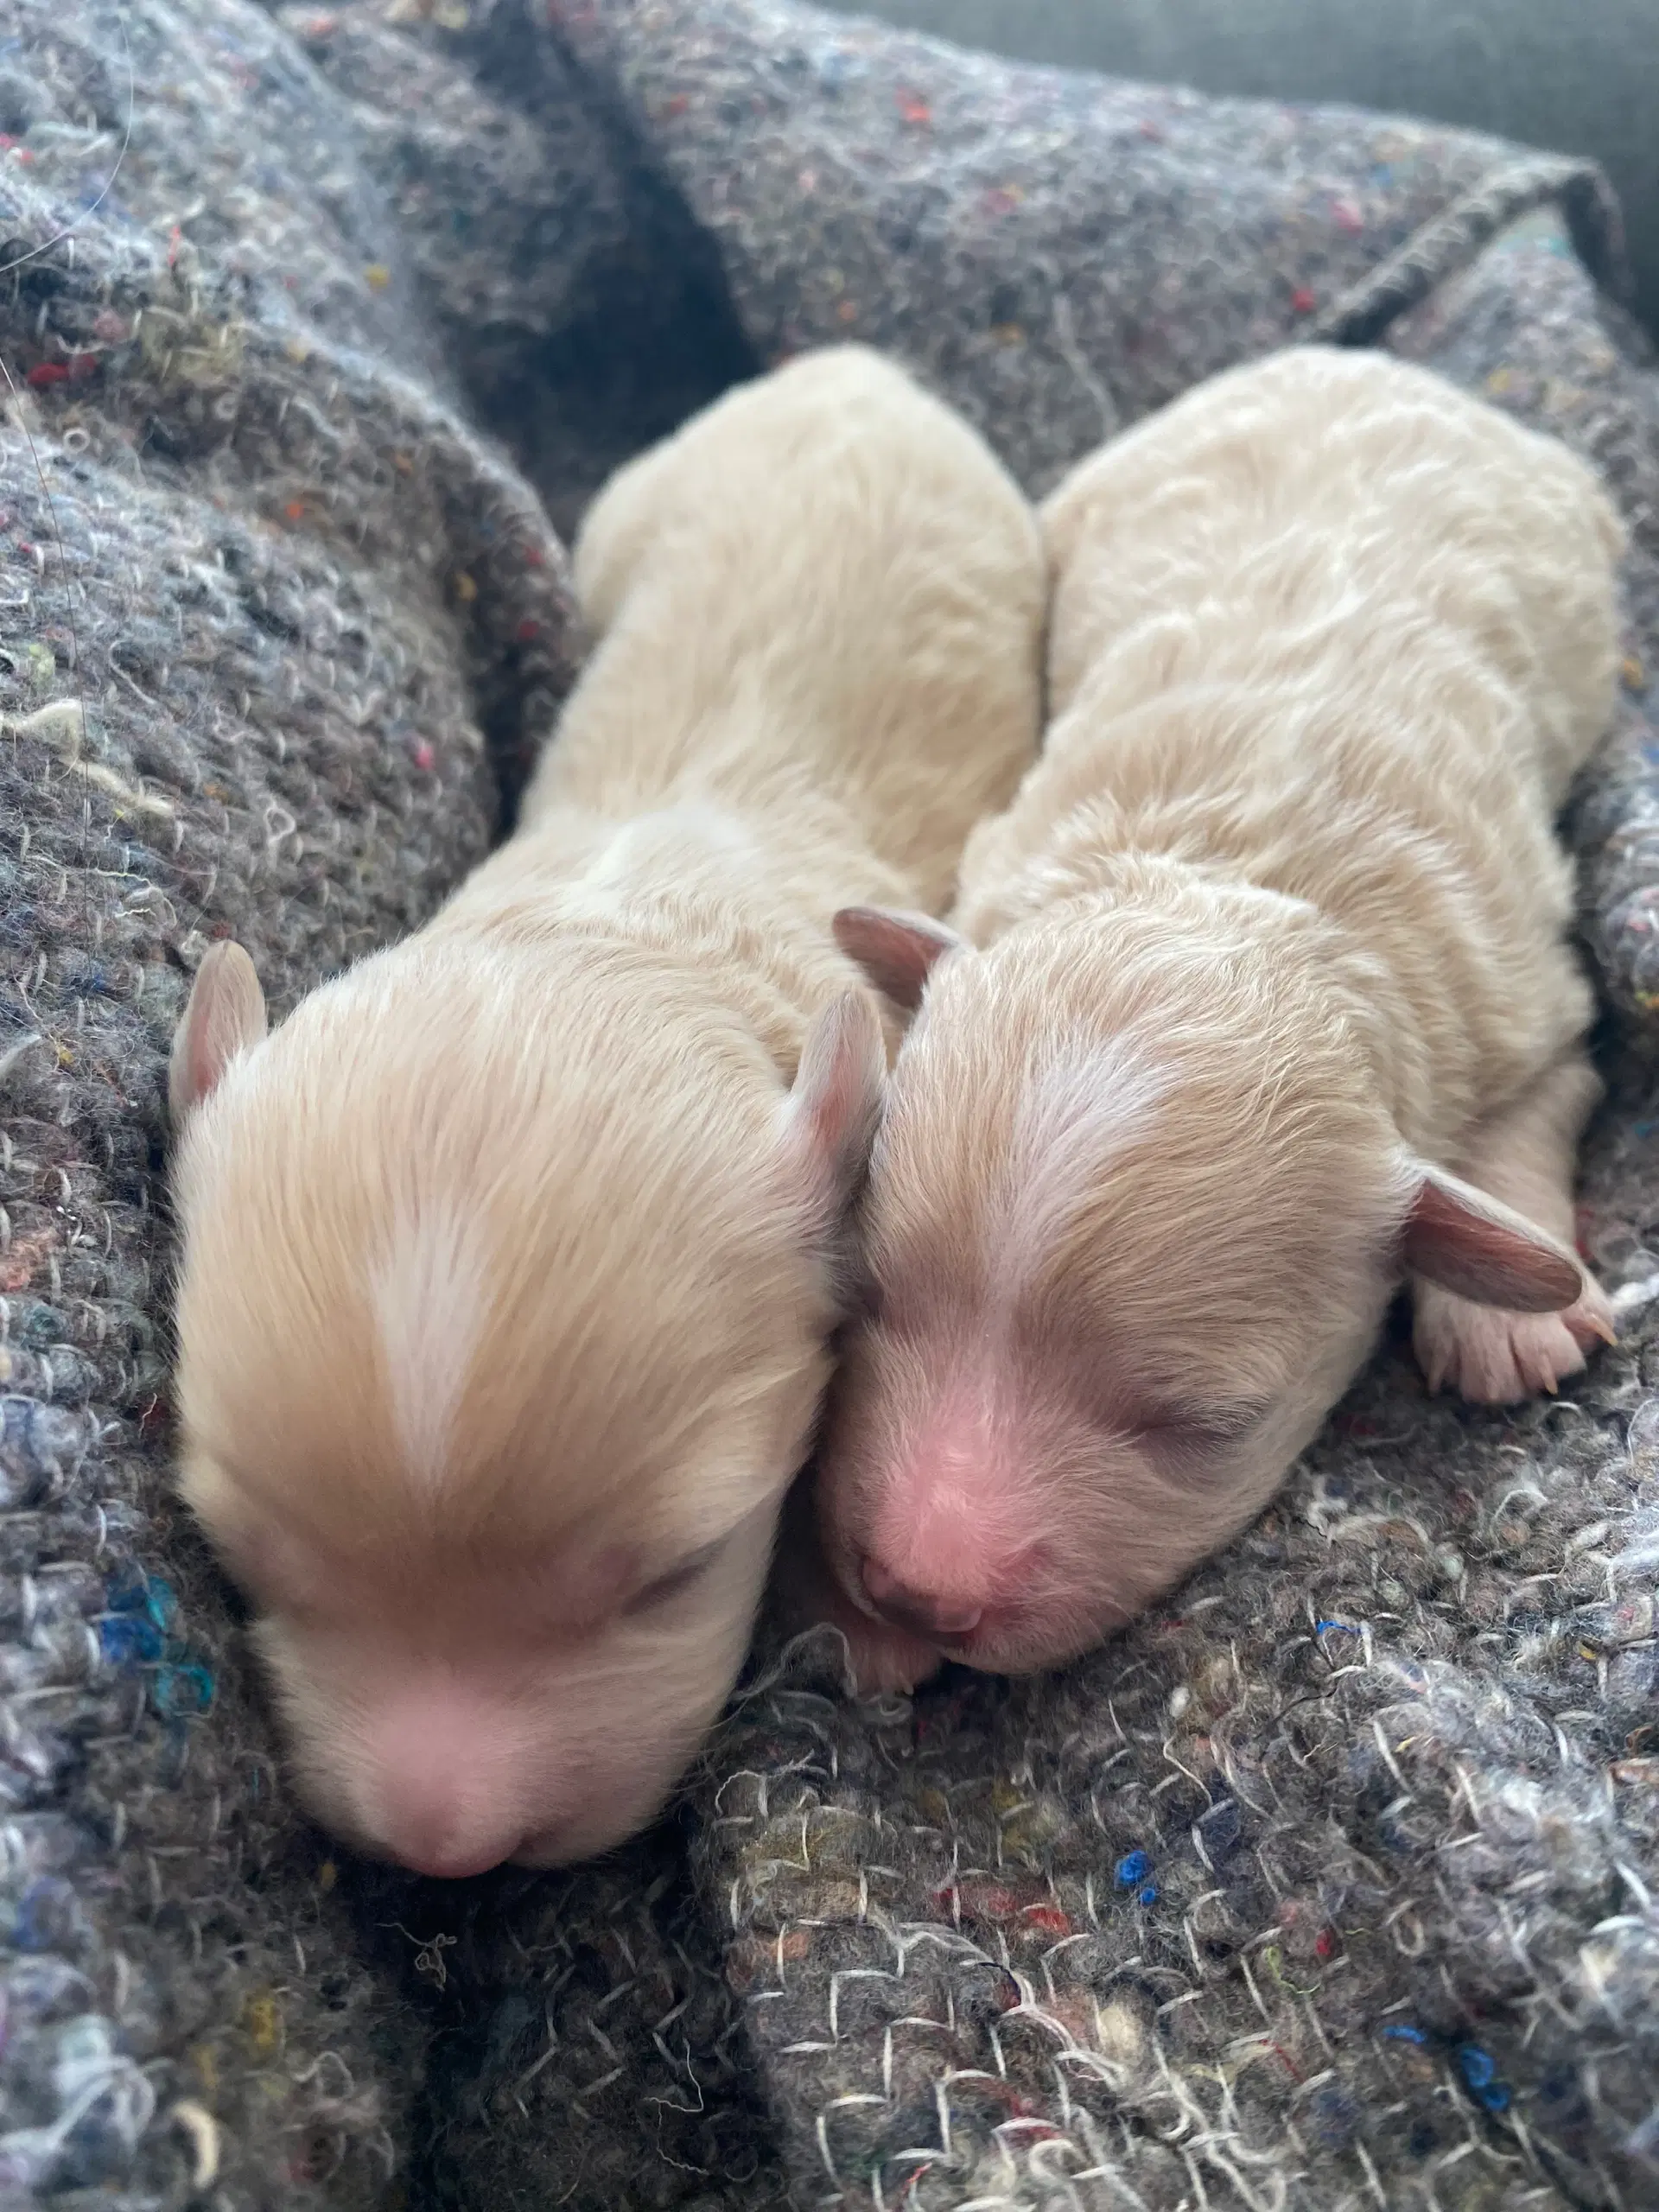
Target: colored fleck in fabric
1329 1886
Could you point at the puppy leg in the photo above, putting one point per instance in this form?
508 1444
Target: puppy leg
1526 1156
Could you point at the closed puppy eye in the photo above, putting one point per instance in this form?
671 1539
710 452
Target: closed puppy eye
1197 1431
675 1582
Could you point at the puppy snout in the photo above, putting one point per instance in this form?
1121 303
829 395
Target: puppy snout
451 1858
925 1612
432 1830
440 1803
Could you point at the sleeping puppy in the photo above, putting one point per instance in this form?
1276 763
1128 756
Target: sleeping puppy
508 1266
1258 1002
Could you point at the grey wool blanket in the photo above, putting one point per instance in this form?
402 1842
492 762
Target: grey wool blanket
1333 1886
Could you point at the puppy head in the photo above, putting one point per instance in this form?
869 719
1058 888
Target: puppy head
503 1306
1133 1218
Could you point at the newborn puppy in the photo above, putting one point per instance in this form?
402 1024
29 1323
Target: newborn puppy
1260 1002
508 1261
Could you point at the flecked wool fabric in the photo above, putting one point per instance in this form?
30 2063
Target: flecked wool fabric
263 597
1330 1885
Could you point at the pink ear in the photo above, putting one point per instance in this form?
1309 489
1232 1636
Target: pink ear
1472 1244
896 951
225 1015
832 1109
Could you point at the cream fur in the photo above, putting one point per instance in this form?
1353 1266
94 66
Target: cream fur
1328 641
507 1272
430 1290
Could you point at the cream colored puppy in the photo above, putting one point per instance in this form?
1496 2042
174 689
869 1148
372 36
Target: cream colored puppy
1261 1001
509 1260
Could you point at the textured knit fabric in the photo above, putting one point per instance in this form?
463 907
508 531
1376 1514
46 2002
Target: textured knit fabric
249 652
1329 1886
1585 77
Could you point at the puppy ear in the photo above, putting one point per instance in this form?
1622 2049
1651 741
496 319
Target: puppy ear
225 1016
831 1113
896 951
1468 1242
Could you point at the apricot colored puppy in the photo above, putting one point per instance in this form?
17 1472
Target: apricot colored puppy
509 1259
1261 1001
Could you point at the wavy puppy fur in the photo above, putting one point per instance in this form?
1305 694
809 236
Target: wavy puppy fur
509 1258
1260 999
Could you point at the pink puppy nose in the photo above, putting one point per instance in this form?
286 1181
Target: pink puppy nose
429 1835
452 1862
920 1610
441 1801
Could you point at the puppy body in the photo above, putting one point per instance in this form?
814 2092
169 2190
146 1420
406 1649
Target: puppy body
508 1259
1266 955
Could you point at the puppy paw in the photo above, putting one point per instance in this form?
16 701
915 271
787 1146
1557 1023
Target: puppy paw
883 1659
880 1659
1495 1357
806 1595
